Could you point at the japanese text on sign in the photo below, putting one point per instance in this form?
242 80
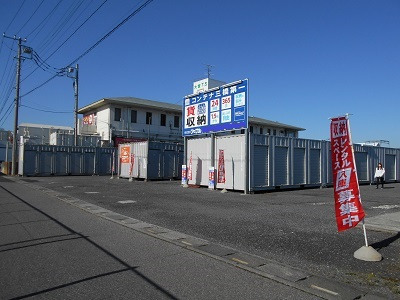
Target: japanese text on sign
348 208
218 110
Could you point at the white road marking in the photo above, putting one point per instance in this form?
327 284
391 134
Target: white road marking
387 206
127 201
68 186
91 192
324 290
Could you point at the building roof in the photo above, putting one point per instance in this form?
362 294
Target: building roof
132 101
175 108
265 122
46 126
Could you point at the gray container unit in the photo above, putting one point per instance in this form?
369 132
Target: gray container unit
67 139
151 160
199 152
234 159
45 160
281 161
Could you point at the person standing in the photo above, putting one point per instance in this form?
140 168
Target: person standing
379 173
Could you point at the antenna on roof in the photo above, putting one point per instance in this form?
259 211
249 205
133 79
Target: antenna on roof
209 67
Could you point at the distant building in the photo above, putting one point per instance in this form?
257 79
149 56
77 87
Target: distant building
129 118
267 127
40 133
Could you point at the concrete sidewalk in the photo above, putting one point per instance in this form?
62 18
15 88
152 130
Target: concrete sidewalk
386 222
71 249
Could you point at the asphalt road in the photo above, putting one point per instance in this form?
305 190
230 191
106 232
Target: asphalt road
296 227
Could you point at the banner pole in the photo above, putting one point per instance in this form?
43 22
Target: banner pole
352 150
365 233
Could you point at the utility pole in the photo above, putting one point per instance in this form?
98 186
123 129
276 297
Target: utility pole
17 88
76 105
75 70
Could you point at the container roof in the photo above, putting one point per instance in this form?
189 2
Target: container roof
32 125
265 122
132 101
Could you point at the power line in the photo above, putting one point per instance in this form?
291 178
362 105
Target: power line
23 2
112 31
95 45
60 25
6 114
71 35
47 111
45 19
37 8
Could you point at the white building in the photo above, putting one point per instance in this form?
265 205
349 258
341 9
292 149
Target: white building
130 118
127 118
40 133
267 127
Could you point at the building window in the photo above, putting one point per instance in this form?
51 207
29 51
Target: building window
148 117
176 121
269 131
274 131
251 129
117 114
261 130
242 131
163 120
133 116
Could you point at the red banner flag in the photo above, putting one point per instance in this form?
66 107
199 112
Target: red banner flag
348 208
132 163
190 167
221 167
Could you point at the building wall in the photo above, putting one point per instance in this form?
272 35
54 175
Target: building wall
139 129
103 123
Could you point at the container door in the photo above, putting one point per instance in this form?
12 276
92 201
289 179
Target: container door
281 165
154 164
315 166
45 157
75 161
88 162
390 167
61 163
169 164
260 165
362 165
299 170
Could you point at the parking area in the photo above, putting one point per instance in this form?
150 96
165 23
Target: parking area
295 227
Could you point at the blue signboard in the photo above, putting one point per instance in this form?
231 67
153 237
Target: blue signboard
216 110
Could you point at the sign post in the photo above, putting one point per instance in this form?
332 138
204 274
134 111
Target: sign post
113 165
184 176
348 207
211 178
221 169
219 109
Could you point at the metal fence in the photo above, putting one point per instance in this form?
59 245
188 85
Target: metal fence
45 160
281 161
151 160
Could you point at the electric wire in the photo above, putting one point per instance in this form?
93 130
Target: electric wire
22 4
37 8
60 25
70 36
64 31
136 11
45 20
112 31
47 111
6 115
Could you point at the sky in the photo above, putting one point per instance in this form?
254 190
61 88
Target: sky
306 61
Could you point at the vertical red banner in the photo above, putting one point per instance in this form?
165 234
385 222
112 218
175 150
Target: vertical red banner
221 167
132 163
348 208
190 167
